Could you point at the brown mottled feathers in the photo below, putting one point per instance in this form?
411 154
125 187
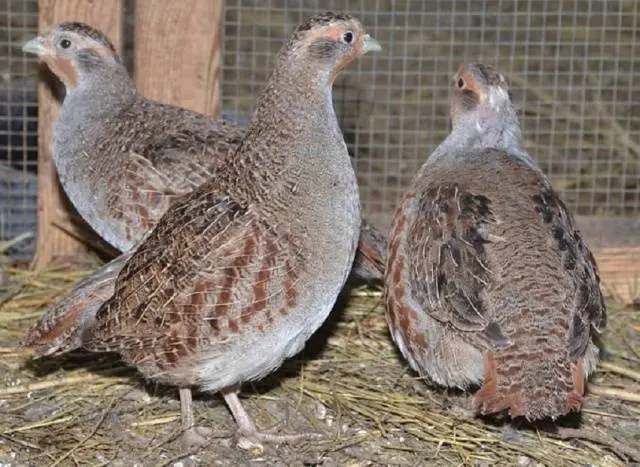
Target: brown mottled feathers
496 259
455 259
171 152
577 258
123 172
178 302
237 274
225 259
488 280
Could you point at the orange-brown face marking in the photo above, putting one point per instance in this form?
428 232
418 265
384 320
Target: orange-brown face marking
470 82
335 34
63 66
63 69
60 66
463 97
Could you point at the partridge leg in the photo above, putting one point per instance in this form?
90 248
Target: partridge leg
249 436
192 436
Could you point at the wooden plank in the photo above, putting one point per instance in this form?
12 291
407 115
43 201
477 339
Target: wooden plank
602 231
177 52
53 207
615 243
620 273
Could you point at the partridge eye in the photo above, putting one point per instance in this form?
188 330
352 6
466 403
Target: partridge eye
65 43
460 83
347 37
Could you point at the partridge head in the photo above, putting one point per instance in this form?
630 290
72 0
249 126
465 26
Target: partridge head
479 89
488 281
239 273
123 159
78 54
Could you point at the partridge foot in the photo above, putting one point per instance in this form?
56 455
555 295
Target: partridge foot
248 436
193 437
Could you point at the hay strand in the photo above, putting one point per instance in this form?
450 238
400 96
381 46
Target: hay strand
621 370
620 394
355 390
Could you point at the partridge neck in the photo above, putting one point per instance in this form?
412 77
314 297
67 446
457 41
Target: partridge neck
292 95
99 95
85 111
484 129
294 129
294 110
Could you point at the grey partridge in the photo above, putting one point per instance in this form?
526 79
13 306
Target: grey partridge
123 159
239 273
487 279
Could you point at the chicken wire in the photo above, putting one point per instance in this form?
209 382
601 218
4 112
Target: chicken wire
571 63
18 125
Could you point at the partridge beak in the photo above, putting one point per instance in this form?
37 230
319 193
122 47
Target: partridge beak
370 44
34 46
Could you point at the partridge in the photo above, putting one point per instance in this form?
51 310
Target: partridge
487 279
122 160
237 274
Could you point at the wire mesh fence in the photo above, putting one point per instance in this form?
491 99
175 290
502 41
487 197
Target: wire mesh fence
572 65
18 124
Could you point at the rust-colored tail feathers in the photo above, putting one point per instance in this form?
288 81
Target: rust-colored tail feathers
60 328
545 389
371 254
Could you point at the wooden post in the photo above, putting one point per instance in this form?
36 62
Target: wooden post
52 204
177 52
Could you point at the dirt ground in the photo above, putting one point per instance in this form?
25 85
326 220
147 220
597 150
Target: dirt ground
350 386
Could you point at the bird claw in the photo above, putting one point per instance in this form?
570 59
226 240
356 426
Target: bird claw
195 438
253 439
